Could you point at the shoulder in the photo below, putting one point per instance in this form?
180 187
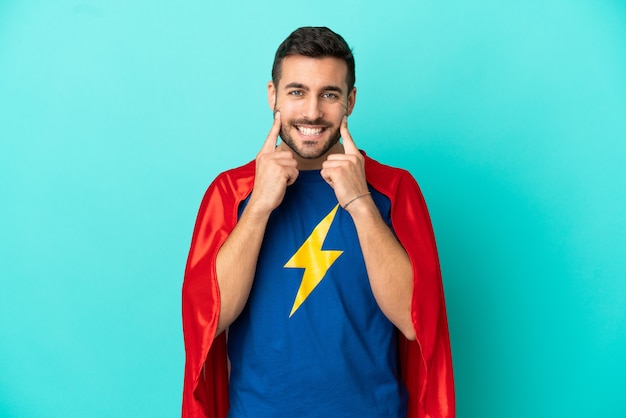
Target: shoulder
236 178
237 173
235 183
388 179
375 167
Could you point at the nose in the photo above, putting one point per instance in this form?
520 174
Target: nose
312 108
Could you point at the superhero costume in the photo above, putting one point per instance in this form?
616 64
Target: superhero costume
311 340
426 364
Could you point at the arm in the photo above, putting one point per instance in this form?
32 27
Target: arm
237 258
236 263
388 265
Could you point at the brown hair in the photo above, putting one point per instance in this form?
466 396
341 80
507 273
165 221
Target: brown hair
315 42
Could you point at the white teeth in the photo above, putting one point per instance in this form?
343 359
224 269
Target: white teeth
310 131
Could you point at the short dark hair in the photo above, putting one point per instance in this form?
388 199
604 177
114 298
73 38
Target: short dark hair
315 42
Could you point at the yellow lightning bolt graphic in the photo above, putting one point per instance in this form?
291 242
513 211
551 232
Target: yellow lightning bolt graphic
313 260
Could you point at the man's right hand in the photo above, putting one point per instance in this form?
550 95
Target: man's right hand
236 260
275 170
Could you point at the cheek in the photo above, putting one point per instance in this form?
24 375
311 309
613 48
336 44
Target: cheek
287 108
336 114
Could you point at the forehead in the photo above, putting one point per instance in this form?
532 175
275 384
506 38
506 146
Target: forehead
314 72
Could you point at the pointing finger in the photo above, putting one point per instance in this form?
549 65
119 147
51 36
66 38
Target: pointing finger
348 143
270 142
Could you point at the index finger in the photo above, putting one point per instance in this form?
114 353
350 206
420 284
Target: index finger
348 143
270 142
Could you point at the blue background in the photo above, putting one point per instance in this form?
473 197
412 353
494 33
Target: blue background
115 116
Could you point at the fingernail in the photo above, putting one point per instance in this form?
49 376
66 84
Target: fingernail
277 115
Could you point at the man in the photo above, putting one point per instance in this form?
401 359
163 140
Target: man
319 263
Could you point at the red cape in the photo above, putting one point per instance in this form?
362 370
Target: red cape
426 364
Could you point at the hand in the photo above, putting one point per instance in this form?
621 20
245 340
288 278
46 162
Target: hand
346 172
275 170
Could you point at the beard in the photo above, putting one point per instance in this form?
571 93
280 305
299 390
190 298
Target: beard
310 149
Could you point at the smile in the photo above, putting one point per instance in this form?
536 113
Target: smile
310 131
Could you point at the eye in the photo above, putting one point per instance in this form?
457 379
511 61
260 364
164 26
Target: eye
332 96
296 93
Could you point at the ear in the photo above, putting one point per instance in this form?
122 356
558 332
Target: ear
271 95
351 100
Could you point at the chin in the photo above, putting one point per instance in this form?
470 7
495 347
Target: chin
314 149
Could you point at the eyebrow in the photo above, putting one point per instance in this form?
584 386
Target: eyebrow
303 87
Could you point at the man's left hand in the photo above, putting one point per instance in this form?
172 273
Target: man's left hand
346 172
